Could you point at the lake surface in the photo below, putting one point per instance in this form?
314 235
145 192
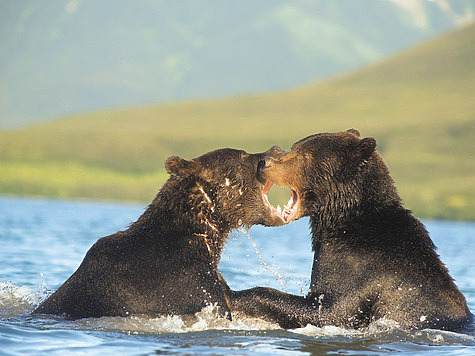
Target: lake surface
42 242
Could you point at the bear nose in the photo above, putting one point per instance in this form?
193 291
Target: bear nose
267 162
275 152
264 163
275 149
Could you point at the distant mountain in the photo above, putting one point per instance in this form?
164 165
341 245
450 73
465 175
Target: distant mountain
418 105
59 57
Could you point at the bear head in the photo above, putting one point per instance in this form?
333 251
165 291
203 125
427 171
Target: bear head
330 174
228 183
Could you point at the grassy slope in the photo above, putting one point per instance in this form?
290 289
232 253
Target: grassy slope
419 105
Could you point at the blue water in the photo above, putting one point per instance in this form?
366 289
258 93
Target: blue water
42 243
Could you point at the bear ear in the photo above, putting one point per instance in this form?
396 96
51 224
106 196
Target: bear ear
354 132
180 167
365 148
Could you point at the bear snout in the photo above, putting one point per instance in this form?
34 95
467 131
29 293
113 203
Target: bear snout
264 164
275 152
267 162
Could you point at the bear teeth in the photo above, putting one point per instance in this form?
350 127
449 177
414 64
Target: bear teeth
279 209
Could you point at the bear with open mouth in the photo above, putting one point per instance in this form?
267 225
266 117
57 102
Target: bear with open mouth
166 262
372 258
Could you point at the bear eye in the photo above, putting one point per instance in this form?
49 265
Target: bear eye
261 164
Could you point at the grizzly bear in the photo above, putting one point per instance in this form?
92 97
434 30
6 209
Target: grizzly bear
373 259
166 262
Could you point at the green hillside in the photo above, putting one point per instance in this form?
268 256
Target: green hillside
419 105
70 56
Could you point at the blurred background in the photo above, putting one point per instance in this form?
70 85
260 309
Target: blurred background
94 95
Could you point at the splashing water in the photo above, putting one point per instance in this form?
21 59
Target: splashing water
20 301
15 300
16 303
264 264
206 319
65 240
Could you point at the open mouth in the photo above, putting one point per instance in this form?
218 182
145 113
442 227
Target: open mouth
290 209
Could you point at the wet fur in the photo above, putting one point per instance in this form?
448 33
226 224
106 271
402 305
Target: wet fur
166 262
373 259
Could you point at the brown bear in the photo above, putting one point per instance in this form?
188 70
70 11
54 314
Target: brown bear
373 259
166 262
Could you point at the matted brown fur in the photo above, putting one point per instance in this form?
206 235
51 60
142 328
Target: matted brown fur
166 262
373 259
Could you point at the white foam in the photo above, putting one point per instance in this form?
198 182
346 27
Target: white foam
16 300
206 319
329 330
440 337
20 300
388 330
